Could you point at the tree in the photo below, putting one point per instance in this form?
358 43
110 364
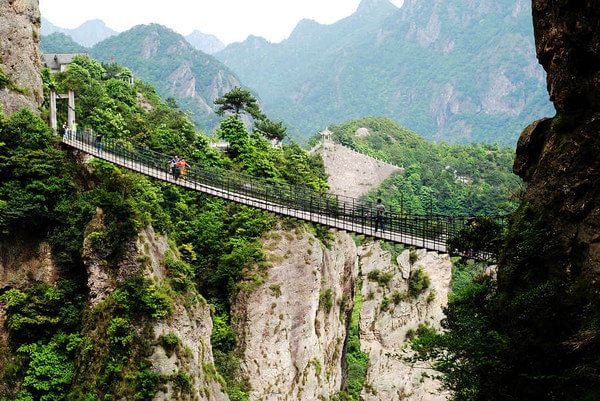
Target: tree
272 130
239 100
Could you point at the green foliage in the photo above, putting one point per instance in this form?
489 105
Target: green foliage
418 282
272 130
385 303
398 297
49 373
481 235
383 279
356 360
321 74
4 80
326 300
181 274
33 176
170 342
227 362
238 101
58 42
222 337
41 311
120 332
464 180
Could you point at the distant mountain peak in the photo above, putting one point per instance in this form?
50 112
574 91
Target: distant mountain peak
369 6
87 34
205 42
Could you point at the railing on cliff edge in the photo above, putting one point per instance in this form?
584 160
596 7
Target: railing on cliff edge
429 231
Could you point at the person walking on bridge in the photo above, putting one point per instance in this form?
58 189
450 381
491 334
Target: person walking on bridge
183 166
379 215
174 164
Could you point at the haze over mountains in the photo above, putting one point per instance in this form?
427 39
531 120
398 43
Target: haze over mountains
453 71
87 34
91 32
458 71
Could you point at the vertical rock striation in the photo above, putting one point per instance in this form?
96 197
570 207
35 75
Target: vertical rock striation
548 279
20 62
388 316
292 328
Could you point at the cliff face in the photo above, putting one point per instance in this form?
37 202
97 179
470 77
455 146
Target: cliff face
558 157
292 329
553 253
386 322
190 321
20 63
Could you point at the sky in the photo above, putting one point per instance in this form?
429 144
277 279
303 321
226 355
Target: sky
229 20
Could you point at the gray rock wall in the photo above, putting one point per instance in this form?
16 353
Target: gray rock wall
293 327
19 54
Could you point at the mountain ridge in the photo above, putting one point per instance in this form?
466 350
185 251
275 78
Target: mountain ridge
163 57
87 34
415 64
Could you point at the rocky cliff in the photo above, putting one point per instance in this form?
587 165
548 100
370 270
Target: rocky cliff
351 173
293 327
20 63
391 313
553 253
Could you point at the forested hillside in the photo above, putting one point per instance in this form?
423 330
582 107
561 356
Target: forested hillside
165 59
441 178
60 43
59 346
458 71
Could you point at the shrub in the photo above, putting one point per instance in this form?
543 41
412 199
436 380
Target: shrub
385 303
222 337
326 300
413 256
398 297
158 301
418 282
120 332
275 290
170 342
49 373
382 278
181 274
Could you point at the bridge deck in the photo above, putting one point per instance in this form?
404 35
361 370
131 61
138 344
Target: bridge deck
280 209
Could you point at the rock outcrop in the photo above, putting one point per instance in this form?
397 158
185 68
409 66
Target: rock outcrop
351 173
292 328
20 62
390 314
553 253
190 321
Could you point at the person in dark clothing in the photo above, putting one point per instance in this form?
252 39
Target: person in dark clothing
379 216
98 141
174 163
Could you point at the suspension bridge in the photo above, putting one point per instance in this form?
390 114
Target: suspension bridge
429 232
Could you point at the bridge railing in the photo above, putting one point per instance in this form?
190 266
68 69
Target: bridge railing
359 216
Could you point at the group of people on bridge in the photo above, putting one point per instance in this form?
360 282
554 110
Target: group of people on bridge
178 167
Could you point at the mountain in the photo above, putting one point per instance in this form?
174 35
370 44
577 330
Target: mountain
87 34
457 71
457 179
60 43
206 43
164 58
